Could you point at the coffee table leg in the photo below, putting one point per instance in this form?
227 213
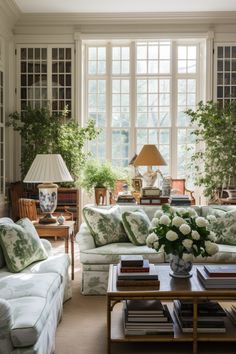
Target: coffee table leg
108 326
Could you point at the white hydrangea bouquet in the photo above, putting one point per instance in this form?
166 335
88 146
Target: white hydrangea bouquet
181 232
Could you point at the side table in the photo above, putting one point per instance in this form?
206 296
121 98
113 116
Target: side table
66 230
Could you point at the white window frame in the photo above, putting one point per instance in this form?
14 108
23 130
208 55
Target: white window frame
2 125
49 72
200 89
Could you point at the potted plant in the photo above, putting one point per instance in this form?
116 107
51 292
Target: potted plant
215 163
181 233
43 133
98 176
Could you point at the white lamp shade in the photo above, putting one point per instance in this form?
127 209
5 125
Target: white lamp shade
48 168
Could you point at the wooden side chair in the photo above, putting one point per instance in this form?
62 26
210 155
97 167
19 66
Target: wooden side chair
28 209
179 187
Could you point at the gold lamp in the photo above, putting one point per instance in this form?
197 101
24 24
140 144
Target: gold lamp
46 169
150 156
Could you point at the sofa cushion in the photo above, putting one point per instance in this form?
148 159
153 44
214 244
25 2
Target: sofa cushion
136 224
21 245
2 259
30 297
105 225
111 253
225 226
19 285
54 264
30 316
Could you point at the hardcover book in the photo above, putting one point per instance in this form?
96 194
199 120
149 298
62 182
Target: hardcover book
151 274
211 282
223 270
131 261
144 306
135 283
145 268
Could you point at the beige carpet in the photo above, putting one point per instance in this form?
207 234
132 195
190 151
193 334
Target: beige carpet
83 328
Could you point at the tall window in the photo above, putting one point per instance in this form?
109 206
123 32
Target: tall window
137 92
2 130
46 77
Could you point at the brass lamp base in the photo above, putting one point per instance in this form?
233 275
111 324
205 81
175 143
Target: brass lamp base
48 219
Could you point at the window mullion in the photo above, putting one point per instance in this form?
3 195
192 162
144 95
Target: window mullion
49 76
133 99
173 128
109 103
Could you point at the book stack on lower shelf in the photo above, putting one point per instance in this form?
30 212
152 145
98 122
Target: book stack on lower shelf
231 313
146 317
210 316
134 271
218 276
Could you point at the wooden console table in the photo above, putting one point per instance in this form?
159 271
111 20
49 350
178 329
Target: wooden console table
66 231
170 289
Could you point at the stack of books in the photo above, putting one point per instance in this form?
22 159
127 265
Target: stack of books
231 313
210 316
180 200
133 271
146 317
152 200
125 199
218 276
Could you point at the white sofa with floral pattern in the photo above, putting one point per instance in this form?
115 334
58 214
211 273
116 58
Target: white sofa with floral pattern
31 303
96 259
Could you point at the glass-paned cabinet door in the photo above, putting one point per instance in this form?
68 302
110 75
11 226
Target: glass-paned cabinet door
46 78
225 73
33 77
61 80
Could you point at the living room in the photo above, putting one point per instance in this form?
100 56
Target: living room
133 69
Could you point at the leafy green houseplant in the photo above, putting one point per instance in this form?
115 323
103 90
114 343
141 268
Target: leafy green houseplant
215 128
43 133
97 175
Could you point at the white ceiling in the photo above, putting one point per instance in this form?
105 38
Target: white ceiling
95 6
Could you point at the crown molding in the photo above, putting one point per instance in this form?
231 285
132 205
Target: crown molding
10 10
9 14
53 19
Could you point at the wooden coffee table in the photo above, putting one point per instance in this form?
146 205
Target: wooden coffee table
170 289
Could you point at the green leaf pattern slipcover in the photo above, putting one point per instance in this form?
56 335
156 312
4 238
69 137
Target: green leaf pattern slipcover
136 225
105 225
225 227
21 245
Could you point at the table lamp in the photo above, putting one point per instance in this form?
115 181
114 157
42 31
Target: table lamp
150 156
46 169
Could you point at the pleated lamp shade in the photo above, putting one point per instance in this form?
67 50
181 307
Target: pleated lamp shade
48 168
149 156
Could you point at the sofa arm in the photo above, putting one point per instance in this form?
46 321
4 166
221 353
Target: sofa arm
47 245
6 322
84 238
